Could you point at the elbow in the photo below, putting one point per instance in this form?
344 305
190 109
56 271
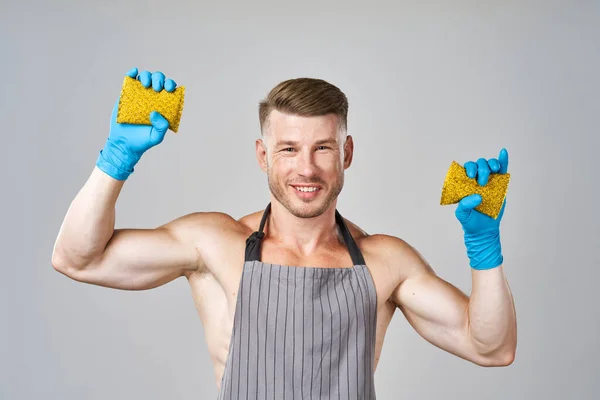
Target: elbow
58 260
499 354
498 359
505 359
60 263
63 264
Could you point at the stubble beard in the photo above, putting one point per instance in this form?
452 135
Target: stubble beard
310 208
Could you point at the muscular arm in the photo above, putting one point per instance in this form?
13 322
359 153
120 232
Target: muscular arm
480 328
89 249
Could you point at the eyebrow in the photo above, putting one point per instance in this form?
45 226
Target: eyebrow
294 143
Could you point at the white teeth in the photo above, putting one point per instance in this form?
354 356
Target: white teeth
306 189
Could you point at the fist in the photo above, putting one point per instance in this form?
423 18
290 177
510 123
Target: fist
126 143
157 80
472 221
137 139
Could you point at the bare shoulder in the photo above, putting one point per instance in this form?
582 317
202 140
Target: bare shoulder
382 247
396 254
219 238
251 222
198 225
212 224
210 233
390 259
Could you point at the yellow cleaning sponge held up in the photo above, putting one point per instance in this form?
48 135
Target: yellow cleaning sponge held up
137 102
458 185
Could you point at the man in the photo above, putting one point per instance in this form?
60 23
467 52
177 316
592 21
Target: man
295 300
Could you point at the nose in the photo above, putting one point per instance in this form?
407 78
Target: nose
306 164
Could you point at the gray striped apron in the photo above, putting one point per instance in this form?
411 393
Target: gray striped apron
302 332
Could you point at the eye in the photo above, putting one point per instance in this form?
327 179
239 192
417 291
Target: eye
323 147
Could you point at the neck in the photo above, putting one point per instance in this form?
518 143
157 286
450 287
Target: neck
303 235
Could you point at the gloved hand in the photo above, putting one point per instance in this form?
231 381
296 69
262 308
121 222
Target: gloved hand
127 143
482 232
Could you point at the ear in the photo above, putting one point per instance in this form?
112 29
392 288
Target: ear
261 154
348 152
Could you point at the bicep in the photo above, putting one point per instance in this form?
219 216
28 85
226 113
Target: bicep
432 304
437 310
140 259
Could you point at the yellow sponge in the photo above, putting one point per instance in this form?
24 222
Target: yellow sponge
137 102
458 185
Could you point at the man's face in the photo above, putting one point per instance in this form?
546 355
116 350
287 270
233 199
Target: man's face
305 161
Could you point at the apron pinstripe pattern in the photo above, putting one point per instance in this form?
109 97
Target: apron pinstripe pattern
302 332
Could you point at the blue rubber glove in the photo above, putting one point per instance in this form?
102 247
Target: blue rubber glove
127 143
482 232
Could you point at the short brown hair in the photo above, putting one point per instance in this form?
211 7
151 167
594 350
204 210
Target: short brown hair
307 97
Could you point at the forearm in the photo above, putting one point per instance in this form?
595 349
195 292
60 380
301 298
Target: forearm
491 311
89 222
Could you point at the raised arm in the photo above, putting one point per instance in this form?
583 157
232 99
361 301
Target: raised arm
89 249
482 327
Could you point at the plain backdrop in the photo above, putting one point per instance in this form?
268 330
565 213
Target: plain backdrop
428 83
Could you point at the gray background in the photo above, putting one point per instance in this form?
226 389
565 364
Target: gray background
428 83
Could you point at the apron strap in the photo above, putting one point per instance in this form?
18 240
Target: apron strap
355 253
254 241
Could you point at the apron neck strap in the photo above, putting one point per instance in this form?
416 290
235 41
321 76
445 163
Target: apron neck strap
254 241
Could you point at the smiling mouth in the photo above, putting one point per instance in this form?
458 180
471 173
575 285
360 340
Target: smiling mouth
306 189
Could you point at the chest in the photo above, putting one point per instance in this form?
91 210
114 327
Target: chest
335 256
327 274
